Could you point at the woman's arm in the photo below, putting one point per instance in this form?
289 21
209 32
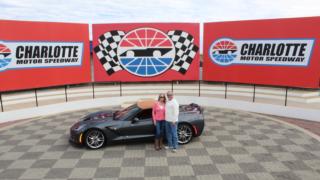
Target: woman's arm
154 113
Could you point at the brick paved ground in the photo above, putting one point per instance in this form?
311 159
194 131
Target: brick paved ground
311 126
234 145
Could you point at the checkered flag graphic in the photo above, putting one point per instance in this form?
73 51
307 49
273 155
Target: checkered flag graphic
106 51
185 50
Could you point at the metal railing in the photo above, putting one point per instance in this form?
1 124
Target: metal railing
247 92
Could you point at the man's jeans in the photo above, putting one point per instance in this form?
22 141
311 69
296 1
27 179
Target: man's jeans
172 135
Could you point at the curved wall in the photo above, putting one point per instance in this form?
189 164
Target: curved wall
298 103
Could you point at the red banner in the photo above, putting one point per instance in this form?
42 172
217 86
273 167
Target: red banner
281 52
42 54
146 51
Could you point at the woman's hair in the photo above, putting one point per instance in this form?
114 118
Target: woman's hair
162 96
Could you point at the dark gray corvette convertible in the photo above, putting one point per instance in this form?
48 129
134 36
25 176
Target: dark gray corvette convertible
134 122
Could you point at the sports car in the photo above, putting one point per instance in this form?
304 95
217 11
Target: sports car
134 122
147 52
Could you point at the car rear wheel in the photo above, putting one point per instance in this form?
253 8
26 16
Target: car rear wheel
185 133
94 139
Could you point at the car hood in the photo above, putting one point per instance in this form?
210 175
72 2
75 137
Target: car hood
99 115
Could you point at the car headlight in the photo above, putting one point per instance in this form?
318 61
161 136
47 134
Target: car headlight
78 126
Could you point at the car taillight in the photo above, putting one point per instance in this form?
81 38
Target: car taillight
195 129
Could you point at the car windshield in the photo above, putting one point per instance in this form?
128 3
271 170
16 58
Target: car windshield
121 113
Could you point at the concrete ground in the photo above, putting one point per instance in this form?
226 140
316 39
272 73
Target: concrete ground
234 145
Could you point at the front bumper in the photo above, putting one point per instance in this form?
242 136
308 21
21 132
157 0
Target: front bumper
76 137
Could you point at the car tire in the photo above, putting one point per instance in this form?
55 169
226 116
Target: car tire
185 133
94 139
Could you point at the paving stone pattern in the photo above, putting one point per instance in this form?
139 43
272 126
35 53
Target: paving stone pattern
235 145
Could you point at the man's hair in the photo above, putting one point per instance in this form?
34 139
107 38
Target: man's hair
169 93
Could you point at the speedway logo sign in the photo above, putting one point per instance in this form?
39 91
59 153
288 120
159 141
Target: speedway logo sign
34 54
269 52
146 52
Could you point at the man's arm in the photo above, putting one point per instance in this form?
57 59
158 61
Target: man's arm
176 109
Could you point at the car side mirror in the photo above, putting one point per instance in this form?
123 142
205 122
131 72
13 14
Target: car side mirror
134 120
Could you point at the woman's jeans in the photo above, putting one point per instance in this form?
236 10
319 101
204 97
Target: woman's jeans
172 134
160 126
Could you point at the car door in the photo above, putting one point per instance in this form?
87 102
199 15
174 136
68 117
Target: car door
141 127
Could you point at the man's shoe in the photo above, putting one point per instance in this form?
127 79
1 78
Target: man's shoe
174 150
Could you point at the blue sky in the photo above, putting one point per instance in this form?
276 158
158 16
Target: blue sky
106 11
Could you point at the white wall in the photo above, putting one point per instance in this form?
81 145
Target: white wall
293 112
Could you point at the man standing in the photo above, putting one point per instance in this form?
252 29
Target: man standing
172 113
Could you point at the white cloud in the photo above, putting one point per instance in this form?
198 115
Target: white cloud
99 11
107 11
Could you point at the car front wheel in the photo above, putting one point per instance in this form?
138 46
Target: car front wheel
94 139
185 133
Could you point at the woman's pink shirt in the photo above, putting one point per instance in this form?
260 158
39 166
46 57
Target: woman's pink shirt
158 111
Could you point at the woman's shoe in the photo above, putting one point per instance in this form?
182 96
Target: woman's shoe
160 143
156 144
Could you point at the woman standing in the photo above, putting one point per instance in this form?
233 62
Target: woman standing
158 116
